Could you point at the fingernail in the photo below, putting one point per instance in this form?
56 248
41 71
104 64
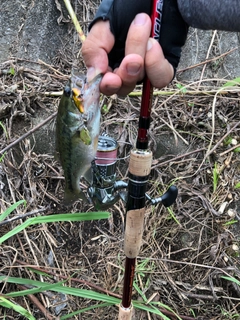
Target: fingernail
149 44
133 69
140 19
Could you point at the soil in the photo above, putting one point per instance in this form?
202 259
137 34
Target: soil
186 249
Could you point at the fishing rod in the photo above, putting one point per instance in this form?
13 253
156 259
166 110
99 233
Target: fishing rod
139 170
102 192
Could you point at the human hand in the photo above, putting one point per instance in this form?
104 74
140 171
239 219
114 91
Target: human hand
141 53
122 50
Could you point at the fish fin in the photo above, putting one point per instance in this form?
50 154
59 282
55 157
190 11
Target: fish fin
71 197
85 136
88 175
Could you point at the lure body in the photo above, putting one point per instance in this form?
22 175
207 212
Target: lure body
77 131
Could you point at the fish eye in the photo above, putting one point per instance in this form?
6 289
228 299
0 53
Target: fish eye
67 91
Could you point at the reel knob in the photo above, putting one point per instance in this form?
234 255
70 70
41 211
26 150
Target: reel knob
167 199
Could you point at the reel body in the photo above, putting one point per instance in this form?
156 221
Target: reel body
106 190
102 192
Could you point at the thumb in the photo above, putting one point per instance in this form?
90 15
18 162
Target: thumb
96 47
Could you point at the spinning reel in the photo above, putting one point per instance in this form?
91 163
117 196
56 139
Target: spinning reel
106 189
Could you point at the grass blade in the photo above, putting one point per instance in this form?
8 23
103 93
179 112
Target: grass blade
10 305
151 309
56 218
82 293
11 209
232 83
58 287
44 287
231 279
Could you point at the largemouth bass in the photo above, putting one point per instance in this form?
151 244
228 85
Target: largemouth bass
77 131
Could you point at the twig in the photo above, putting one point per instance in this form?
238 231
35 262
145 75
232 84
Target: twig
207 61
177 158
75 20
38 304
208 52
174 130
229 150
138 93
199 296
25 135
188 286
50 67
22 216
217 144
53 93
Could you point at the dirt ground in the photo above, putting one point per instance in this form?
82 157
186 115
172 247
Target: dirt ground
186 249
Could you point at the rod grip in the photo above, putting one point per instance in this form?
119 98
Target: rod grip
140 162
139 170
133 232
125 313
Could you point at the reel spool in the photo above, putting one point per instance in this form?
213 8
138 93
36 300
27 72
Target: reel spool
102 191
106 160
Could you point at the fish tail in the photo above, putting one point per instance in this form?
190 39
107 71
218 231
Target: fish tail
71 197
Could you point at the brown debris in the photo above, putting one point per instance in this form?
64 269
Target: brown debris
185 250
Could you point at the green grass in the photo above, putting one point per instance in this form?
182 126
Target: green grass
11 71
10 305
232 83
229 223
59 287
66 217
7 300
215 177
236 150
237 186
9 210
232 279
181 88
41 286
4 129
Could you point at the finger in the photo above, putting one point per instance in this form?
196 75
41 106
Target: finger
110 84
138 35
95 48
159 71
131 70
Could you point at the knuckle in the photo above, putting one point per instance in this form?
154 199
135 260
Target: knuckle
86 47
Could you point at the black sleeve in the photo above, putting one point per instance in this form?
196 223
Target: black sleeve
121 13
211 14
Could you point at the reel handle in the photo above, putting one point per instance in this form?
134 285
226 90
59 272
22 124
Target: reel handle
167 199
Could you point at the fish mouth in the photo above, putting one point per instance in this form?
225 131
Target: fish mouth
80 87
77 98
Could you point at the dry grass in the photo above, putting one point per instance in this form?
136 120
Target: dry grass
186 250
